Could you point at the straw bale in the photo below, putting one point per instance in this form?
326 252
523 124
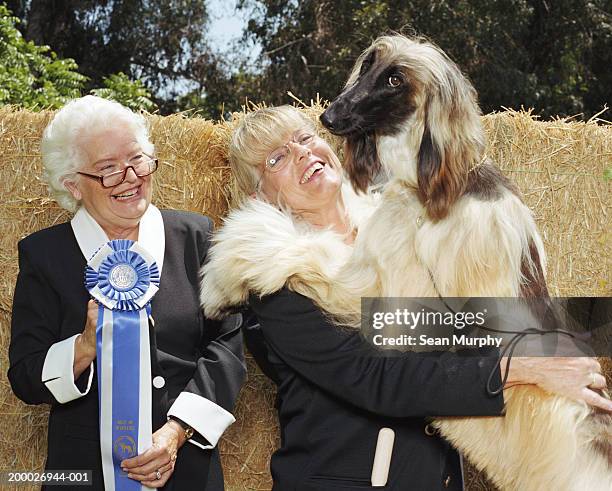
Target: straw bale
559 166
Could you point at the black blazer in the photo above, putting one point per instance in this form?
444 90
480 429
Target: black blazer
335 393
190 352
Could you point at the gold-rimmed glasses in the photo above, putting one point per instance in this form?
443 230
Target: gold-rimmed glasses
278 158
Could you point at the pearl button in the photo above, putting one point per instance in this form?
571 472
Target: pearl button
159 382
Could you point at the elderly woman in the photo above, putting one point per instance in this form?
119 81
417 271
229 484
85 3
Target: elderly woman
335 392
99 161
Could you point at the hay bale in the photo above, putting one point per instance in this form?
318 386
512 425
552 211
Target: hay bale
559 166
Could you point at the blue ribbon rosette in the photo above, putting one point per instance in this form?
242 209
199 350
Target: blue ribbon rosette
123 278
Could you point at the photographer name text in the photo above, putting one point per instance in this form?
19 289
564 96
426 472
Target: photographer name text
425 340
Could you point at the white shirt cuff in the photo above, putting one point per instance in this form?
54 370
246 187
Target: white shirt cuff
204 416
58 372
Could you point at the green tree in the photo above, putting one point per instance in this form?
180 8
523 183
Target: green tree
35 77
161 42
120 88
553 56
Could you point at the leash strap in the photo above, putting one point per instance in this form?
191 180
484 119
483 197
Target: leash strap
508 349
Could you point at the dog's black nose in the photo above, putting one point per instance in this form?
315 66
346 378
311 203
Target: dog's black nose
326 120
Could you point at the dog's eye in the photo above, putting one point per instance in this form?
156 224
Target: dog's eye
394 81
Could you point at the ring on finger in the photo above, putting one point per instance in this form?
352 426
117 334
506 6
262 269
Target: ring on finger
157 475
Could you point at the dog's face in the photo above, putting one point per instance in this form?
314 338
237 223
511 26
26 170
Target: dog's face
408 97
378 97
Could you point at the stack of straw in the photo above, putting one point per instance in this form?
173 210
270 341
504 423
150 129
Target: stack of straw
563 169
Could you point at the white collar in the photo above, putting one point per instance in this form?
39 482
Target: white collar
91 237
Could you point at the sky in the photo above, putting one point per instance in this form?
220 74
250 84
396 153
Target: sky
226 26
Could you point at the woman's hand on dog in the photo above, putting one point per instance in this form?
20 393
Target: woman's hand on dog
577 378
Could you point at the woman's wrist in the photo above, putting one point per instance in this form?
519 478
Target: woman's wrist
180 432
83 355
518 373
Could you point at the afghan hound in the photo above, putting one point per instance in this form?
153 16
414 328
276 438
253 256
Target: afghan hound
447 224
450 224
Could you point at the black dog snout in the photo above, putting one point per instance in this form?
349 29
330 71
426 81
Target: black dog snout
337 118
327 119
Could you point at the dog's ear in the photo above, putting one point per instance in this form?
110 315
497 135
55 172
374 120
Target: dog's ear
361 160
441 176
429 163
452 143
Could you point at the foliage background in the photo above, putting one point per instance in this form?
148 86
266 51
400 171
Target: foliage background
34 77
551 55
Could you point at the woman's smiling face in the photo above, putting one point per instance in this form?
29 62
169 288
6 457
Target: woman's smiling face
107 151
307 176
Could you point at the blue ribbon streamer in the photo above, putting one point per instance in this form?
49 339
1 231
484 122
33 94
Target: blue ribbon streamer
126 350
122 278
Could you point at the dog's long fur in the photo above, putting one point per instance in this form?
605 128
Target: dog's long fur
448 212
477 239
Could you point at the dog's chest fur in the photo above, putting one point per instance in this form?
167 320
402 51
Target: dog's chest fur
396 157
390 238
476 250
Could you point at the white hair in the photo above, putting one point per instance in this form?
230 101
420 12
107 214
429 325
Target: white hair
61 153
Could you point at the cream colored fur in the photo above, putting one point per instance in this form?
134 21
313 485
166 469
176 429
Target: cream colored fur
260 249
477 249
543 441
473 247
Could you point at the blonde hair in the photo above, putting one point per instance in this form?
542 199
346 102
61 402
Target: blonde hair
257 134
61 153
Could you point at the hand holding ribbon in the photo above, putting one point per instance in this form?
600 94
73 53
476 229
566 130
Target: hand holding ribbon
160 457
123 277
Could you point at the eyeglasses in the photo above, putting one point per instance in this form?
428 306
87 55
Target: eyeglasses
142 166
278 158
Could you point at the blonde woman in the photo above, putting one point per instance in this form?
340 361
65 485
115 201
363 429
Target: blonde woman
335 391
